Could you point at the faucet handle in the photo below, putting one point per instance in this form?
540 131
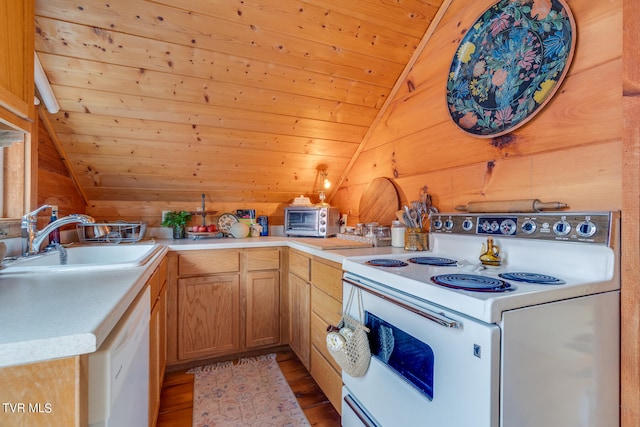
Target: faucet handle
31 216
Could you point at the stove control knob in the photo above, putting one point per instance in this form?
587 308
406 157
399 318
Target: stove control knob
586 229
508 227
561 228
448 224
467 224
437 224
528 227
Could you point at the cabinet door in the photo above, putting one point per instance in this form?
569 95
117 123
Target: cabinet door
263 308
208 316
17 25
299 329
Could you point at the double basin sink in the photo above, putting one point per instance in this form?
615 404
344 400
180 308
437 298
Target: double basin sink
85 258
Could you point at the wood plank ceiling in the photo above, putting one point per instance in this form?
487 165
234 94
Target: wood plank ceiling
241 100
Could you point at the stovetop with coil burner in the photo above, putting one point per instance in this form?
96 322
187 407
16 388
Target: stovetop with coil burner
544 257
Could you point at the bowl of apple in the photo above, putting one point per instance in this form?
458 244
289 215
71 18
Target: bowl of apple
204 231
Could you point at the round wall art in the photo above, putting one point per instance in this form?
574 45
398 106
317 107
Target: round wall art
509 64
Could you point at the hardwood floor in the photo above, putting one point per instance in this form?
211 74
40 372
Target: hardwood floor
176 403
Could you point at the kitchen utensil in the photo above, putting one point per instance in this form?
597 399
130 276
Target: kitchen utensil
407 218
524 205
415 218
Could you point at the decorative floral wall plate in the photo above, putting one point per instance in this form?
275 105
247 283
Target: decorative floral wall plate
509 64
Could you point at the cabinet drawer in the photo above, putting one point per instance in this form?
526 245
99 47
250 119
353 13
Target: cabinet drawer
299 264
327 277
263 259
319 339
325 306
208 262
327 378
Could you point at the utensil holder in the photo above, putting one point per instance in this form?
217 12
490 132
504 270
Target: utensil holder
416 239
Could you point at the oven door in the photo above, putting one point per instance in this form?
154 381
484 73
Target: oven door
302 222
429 366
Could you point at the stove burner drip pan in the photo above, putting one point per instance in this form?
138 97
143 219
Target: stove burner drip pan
472 282
541 279
429 260
386 262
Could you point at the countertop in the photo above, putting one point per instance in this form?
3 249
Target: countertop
46 316
305 244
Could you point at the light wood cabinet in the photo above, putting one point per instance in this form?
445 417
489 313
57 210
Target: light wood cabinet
299 309
223 302
57 391
17 34
315 301
326 306
157 338
263 308
209 310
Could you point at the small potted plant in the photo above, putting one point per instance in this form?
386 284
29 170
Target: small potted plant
178 220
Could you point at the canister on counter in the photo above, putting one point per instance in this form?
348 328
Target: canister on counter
397 234
263 220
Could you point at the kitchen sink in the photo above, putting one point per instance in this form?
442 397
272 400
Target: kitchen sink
90 257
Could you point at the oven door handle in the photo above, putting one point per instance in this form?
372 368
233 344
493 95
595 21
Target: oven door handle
429 316
364 418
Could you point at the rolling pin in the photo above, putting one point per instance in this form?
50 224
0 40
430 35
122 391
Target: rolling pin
525 205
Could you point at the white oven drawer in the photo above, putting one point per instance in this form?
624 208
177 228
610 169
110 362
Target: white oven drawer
353 415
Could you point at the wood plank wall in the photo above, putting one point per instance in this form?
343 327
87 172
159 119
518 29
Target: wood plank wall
570 152
55 184
577 150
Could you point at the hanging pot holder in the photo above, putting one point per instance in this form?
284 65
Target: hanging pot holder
348 342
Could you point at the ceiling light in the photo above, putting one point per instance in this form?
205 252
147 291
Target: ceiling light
44 88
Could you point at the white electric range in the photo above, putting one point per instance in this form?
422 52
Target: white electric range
532 341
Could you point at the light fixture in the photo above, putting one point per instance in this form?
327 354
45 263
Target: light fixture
44 88
326 184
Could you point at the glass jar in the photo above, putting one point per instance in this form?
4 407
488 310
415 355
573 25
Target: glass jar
397 234
370 229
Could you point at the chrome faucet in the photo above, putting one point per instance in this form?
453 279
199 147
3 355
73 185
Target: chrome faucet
35 237
62 252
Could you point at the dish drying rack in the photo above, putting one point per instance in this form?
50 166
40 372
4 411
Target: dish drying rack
119 232
373 240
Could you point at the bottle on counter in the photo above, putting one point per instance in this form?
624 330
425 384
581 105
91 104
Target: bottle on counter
263 220
54 236
397 234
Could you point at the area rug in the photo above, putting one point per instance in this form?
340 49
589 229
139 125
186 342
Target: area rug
252 392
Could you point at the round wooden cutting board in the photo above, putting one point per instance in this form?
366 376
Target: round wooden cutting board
379 202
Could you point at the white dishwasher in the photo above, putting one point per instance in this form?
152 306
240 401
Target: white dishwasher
119 372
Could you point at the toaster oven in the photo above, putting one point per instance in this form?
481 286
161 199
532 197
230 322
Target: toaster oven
312 221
